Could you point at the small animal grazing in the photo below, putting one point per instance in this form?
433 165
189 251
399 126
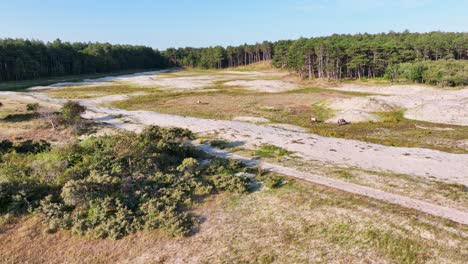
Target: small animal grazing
198 102
342 122
313 119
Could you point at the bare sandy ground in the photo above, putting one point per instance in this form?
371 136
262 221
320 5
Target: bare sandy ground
155 79
251 119
420 103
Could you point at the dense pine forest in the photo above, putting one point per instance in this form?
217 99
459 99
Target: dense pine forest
30 59
333 57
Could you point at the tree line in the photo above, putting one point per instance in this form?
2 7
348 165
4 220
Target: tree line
30 59
333 57
219 57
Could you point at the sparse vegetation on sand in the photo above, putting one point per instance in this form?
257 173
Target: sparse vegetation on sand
297 108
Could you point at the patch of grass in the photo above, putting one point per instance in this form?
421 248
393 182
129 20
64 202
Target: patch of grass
344 174
397 247
457 192
392 117
221 144
270 151
321 111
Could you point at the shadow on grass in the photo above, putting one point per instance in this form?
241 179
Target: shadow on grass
20 117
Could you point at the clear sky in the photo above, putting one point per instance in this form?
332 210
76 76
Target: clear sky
179 23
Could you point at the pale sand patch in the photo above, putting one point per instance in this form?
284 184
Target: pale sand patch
268 86
251 119
289 127
421 103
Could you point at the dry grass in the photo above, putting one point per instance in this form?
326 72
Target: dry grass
297 223
16 123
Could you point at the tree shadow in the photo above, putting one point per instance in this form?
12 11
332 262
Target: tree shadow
14 118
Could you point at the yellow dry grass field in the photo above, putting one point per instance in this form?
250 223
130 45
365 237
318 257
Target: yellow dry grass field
298 223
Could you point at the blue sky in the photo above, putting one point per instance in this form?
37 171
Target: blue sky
180 23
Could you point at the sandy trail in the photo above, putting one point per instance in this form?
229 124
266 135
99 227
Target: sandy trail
422 206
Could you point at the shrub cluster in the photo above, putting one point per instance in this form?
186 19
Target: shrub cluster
441 72
114 185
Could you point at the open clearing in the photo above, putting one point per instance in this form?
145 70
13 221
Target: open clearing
263 114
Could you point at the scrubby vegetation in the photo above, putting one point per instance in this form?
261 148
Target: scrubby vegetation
441 72
111 186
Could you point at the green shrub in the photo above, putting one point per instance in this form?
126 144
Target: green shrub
71 111
231 183
271 181
19 197
33 107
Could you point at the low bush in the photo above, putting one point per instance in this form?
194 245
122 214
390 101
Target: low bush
33 107
71 111
110 186
270 181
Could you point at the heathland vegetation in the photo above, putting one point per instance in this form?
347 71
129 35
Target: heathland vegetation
113 185
333 57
